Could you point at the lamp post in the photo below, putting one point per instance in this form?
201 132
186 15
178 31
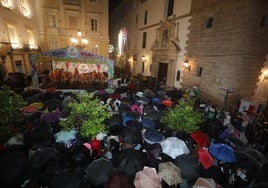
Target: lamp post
79 41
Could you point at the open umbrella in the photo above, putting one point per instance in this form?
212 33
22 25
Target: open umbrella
65 136
248 163
174 147
206 183
129 161
148 178
68 178
119 180
188 165
235 142
205 158
200 138
170 173
256 154
152 136
222 152
99 171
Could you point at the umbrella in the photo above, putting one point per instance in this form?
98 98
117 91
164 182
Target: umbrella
188 165
205 158
174 147
148 123
152 136
119 180
256 154
99 171
131 136
153 114
129 161
235 141
153 154
206 183
170 173
222 152
13 165
200 138
248 163
148 178
65 136
68 178
52 117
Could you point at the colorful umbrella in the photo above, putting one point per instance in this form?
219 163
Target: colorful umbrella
200 138
222 152
174 147
205 158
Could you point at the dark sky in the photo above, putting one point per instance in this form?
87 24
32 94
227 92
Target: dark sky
113 4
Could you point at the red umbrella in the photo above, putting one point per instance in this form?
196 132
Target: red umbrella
205 158
200 138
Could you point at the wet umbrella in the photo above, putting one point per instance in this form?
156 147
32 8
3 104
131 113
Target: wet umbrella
52 117
205 182
235 141
205 158
99 171
68 178
153 114
188 165
148 178
256 154
147 123
131 136
152 136
119 180
200 138
170 173
13 165
248 163
222 152
129 161
174 147
65 136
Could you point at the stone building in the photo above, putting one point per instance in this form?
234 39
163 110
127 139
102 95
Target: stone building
219 46
27 26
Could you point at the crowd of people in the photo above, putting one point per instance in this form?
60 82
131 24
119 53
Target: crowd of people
227 150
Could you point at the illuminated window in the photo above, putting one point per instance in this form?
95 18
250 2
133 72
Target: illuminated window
12 32
31 39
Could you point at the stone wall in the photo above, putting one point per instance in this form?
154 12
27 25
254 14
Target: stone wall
231 52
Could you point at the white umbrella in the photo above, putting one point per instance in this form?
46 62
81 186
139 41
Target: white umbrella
173 147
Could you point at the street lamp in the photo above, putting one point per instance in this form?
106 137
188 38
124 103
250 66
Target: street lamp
79 41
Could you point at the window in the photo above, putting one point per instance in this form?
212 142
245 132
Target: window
93 24
144 36
209 22
30 39
170 8
12 32
145 17
93 1
142 67
264 22
73 22
19 66
137 20
52 20
94 48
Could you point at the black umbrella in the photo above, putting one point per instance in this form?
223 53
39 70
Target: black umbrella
235 142
129 161
132 136
68 178
256 154
100 171
153 114
13 166
189 166
248 163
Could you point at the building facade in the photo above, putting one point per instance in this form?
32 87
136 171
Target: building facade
28 26
221 47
